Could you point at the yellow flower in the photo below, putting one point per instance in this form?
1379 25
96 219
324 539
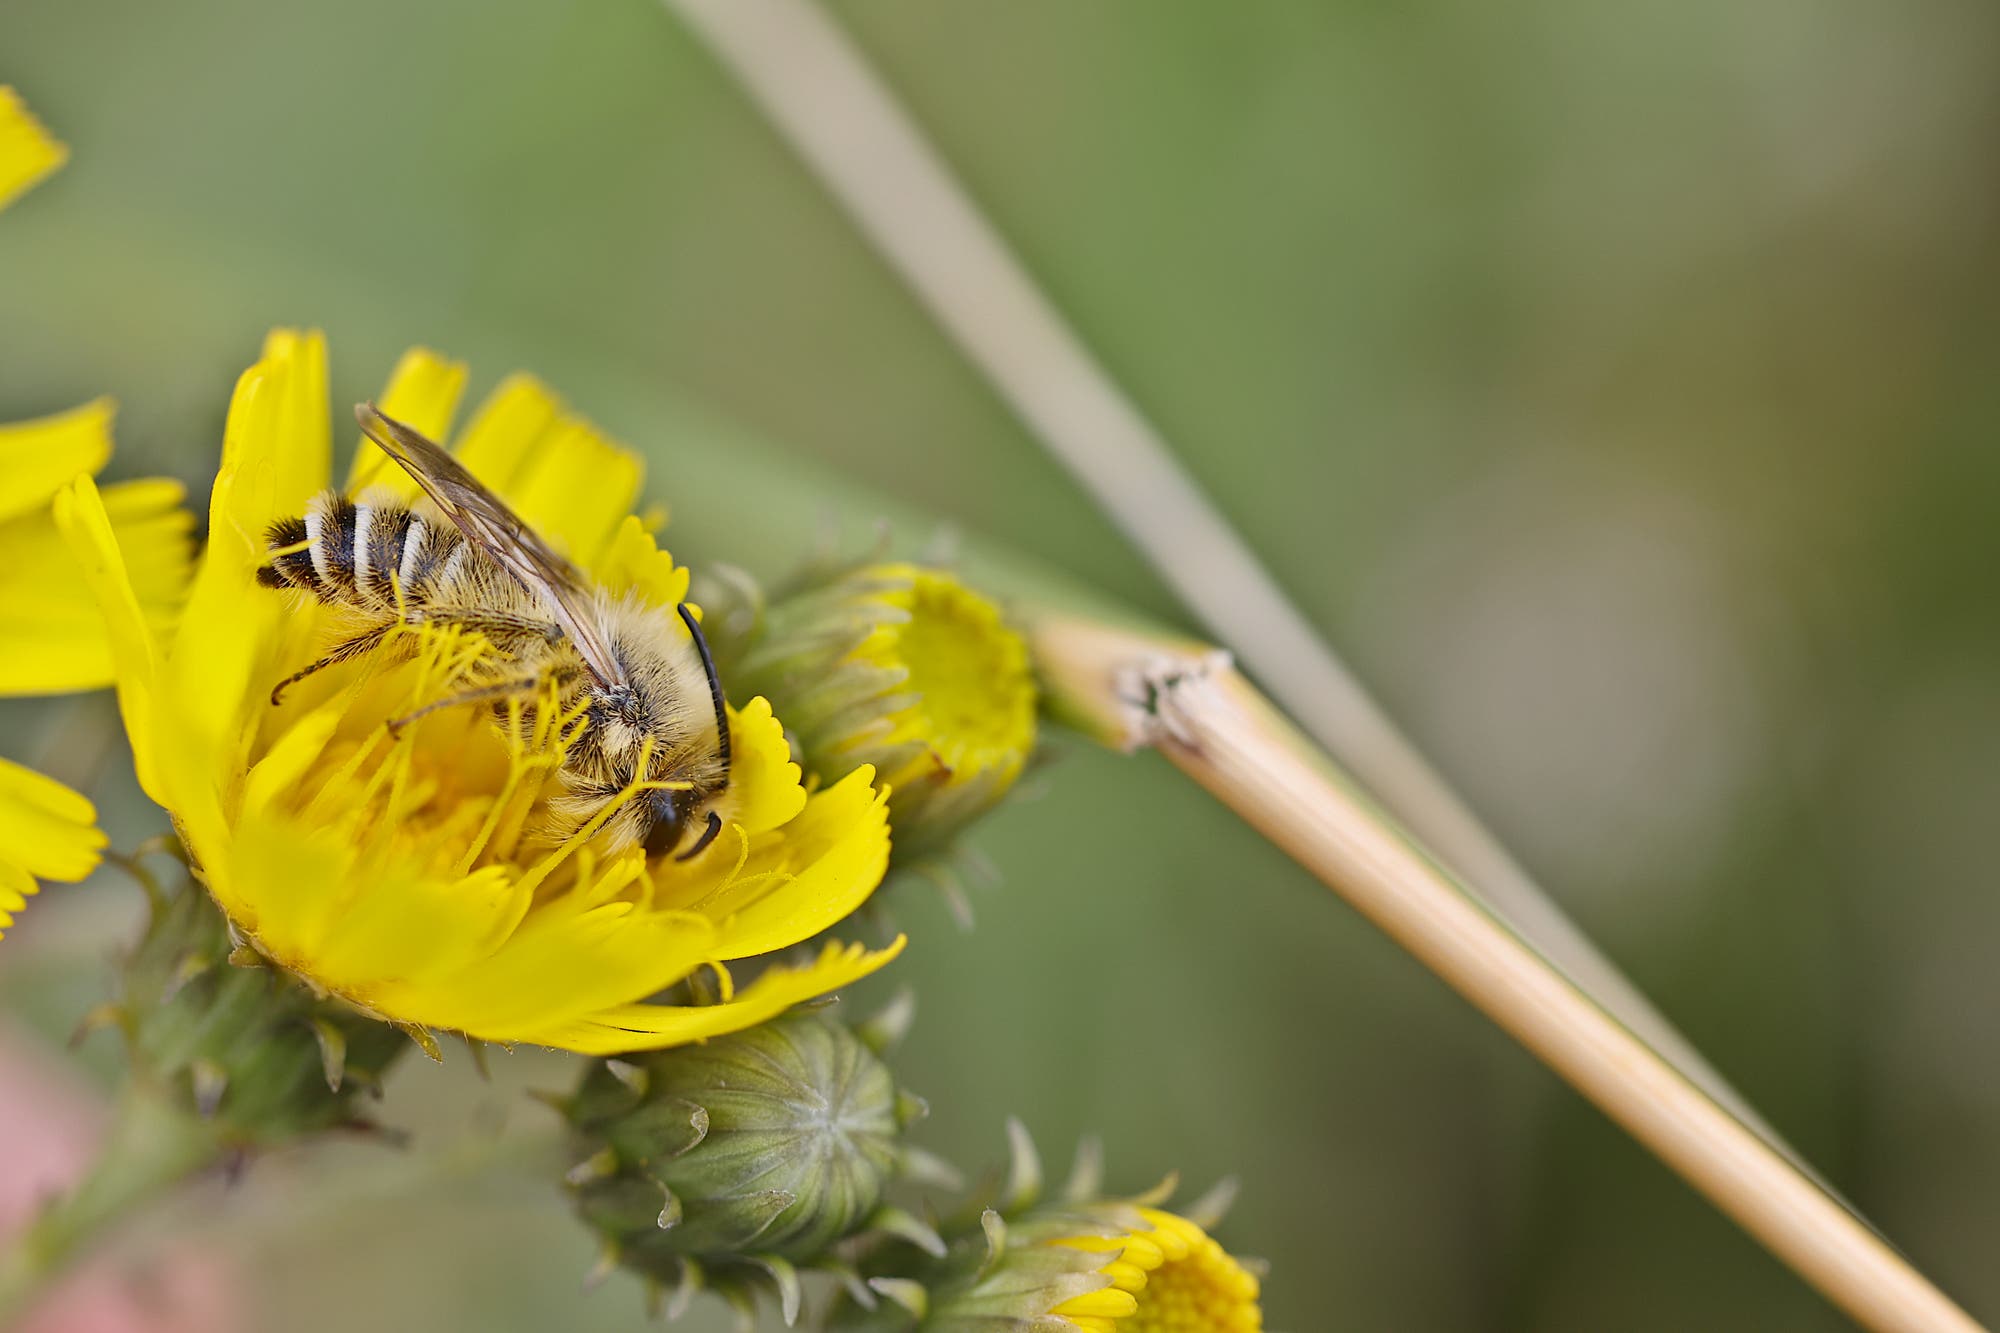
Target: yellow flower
51 635
906 668
27 151
1166 1275
401 871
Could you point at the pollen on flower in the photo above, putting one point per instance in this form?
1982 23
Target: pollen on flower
459 784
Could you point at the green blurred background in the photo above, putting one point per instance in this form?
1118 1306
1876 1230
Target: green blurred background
1615 385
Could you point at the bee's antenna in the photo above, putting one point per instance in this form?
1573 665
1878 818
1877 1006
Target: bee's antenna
714 689
707 836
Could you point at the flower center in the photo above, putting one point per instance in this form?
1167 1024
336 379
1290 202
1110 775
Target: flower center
968 672
442 786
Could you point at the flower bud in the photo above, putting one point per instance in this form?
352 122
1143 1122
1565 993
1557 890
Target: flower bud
727 1164
896 665
1083 1263
247 1046
1105 1267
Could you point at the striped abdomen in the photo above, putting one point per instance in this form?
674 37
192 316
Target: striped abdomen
382 557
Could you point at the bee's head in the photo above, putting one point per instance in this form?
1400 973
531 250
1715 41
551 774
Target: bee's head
671 812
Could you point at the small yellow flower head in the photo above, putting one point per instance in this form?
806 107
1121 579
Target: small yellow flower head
1086 1264
27 151
1166 1275
1093 1268
406 870
907 669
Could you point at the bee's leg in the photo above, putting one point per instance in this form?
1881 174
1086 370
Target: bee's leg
352 648
500 628
504 689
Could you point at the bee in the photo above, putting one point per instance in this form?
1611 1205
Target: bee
652 702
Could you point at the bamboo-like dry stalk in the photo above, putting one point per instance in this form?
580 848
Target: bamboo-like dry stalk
820 93
1129 689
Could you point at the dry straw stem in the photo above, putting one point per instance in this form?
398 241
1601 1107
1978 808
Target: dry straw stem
1131 689
820 93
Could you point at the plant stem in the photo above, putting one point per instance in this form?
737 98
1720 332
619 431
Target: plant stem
1129 690
151 1147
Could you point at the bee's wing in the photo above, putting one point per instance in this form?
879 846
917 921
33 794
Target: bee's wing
498 531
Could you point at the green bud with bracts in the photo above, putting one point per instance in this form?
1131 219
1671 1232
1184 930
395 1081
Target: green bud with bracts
248 1048
1082 1262
901 666
734 1164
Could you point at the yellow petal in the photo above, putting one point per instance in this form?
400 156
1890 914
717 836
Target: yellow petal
565 961
47 831
80 514
27 151
38 456
16 887
54 638
155 531
422 393
45 828
366 930
1175 1235
507 427
570 483
769 787
633 562
576 489
648 1027
400 938
275 456
1108 1303
838 850
277 450
285 764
